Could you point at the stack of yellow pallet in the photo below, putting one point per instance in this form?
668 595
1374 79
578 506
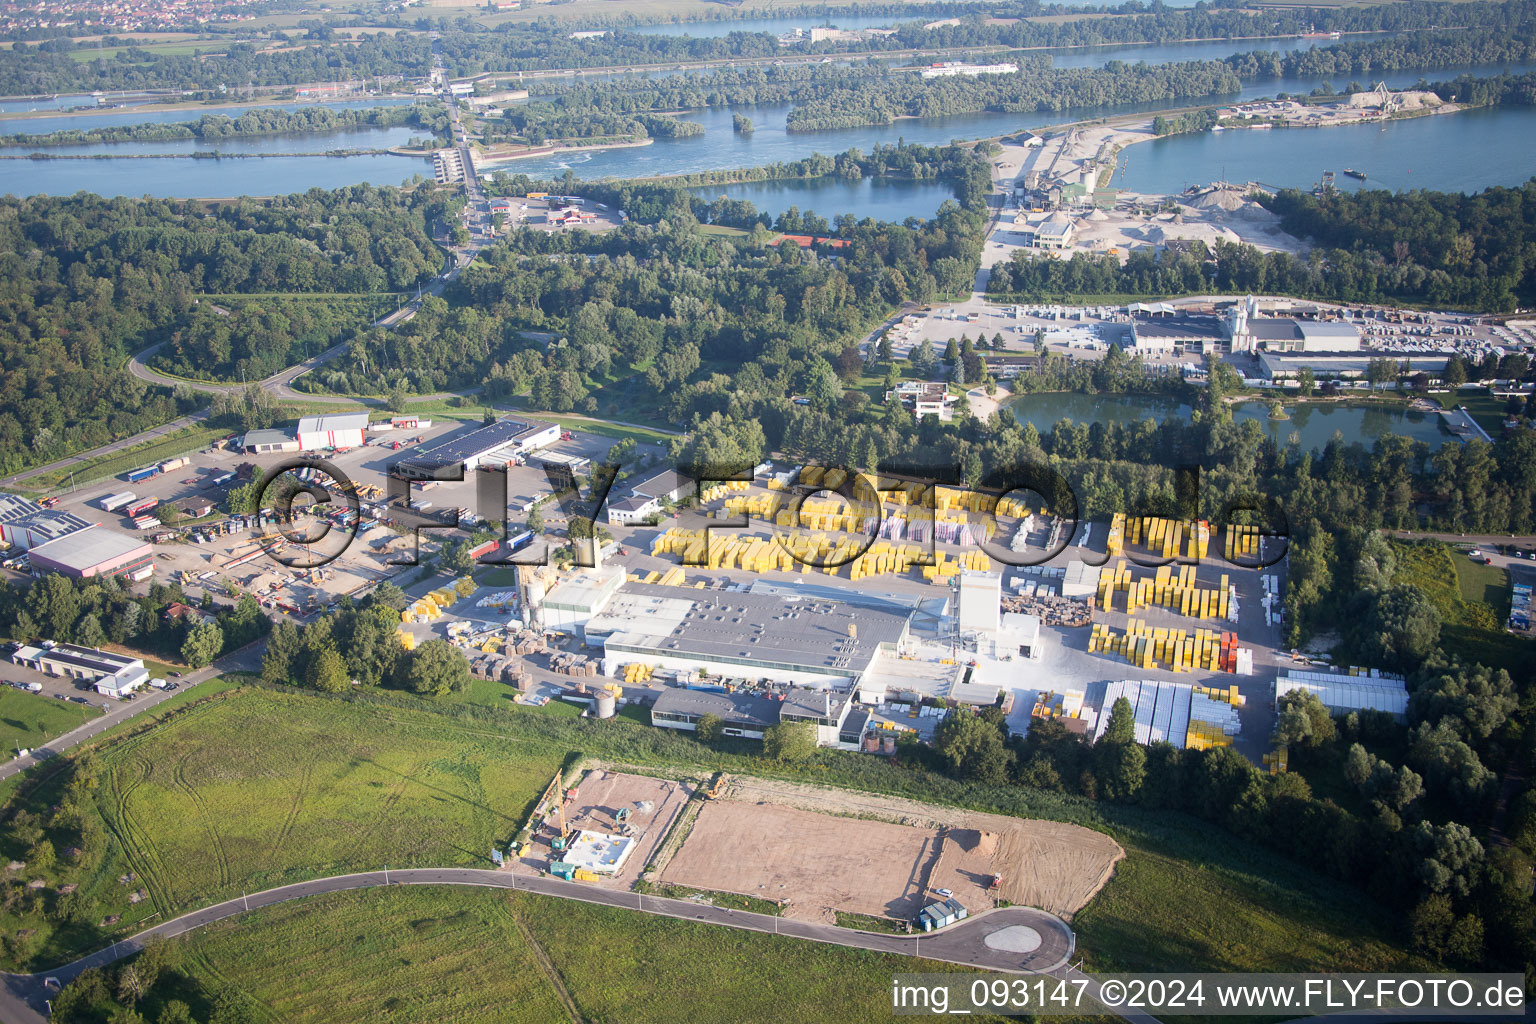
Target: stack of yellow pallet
1205 735
1115 542
1148 647
1171 538
811 476
1018 508
757 506
1242 541
719 490
637 672
1177 592
1278 760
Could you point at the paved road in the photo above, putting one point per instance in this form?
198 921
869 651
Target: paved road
108 449
23 996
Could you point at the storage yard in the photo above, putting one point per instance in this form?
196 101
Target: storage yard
803 846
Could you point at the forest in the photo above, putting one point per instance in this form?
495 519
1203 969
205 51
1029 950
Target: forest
259 121
86 281
657 297
1473 252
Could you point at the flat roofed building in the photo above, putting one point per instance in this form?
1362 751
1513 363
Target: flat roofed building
343 430
493 444
14 507
40 527
112 674
808 641
1153 333
751 715
577 599
265 442
1341 693
96 551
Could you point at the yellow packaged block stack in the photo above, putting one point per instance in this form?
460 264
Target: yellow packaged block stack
719 490
1242 541
811 476
1115 542
637 672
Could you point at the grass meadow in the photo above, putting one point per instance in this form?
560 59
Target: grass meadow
420 955
257 787
27 719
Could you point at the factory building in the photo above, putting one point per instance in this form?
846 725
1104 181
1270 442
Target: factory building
112 674
1286 366
1342 693
265 442
668 485
495 444
813 642
1247 331
96 551
40 527
344 430
1055 233
750 715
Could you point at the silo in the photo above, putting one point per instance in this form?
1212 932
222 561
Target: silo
605 706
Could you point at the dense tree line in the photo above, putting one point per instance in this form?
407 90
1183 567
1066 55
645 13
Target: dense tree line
30 69
259 121
361 642
99 610
471 49
656 298
86 281
254 339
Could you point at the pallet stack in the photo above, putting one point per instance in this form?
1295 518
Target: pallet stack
1242 542
719 490
1179 593
1148 647
1170 537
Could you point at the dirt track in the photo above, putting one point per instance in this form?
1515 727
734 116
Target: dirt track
801 843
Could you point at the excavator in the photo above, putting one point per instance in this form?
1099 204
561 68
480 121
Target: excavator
716 786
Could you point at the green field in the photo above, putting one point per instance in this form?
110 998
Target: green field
27 719
255 789
258 788
1472 599
431 954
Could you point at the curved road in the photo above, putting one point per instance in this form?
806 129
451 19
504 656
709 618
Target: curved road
23 997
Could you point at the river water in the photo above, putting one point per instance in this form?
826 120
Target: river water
880 198
1313 424
1423 153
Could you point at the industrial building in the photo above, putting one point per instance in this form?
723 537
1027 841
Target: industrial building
816 642
668 485
343 430
1287 365
265 442
25 529
95 551
1055 233
750 715
1178 713
112 674
495 444
1247 331
1342 693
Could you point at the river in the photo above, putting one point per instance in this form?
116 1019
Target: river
1313 423
779 26
1422 153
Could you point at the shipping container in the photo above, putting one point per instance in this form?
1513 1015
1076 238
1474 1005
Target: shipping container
113 502
141 506
171 465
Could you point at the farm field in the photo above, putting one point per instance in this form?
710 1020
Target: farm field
428 954
27 719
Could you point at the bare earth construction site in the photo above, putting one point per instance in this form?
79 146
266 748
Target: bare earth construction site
822 851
